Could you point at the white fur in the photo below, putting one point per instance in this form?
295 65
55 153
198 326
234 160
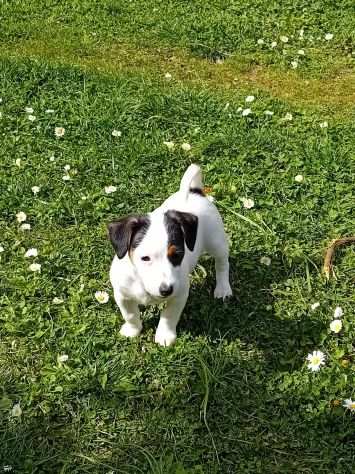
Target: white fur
137 282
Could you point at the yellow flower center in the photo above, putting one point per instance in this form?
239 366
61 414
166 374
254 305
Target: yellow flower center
352 406
316 360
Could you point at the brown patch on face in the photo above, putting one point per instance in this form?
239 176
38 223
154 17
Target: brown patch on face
171 250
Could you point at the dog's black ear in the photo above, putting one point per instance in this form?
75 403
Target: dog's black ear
189 224
127 233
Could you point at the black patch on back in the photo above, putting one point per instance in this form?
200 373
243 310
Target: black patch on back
181 228
127 233
197 191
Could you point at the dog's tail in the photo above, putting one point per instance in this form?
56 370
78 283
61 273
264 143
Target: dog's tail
191 181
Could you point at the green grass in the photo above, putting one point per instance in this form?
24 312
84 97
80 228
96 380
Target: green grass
234 395
218 29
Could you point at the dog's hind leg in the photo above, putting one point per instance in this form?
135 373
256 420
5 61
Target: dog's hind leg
130 313
223 288
218 248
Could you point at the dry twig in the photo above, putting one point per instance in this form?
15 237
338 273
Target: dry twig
328 267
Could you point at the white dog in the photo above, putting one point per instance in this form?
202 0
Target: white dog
155 253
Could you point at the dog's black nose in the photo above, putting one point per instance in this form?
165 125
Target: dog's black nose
165 290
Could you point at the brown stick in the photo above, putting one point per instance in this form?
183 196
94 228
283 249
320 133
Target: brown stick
328 267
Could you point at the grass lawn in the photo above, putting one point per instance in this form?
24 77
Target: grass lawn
234 395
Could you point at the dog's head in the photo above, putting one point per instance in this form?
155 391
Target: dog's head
156 245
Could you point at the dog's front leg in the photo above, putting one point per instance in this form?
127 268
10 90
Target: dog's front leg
166 330
130 313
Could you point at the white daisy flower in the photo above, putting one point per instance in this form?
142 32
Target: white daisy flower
62 358
21 216
269 113
35 189
66 167
274 44
301 32
248 203
284 39
7 468
328 36
316 359
31 118
294 64
323 124
57 300
260 42
186 146
31 253
29 110
25 226
116 133
338 312
49 111
246 112
59 132
102 297
35 267
349 404
299 178
249 98
265 261
52 158
66 177
288 116
300 52
110 189
336 325
16 410
169 145
2 249
314 306
168 76
18 162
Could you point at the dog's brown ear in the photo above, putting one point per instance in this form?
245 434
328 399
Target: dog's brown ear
189 224
127 233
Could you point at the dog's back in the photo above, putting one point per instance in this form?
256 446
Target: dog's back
191 198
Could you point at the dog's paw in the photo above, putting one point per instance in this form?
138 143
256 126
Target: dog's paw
130 330
165 337
223 290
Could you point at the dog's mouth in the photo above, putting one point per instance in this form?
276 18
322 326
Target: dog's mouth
158 297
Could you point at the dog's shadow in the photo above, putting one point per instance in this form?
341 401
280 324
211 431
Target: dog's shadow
249 316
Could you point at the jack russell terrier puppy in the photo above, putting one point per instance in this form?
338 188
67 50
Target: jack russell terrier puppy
156 252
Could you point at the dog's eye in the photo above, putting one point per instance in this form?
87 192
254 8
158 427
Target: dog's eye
145 259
